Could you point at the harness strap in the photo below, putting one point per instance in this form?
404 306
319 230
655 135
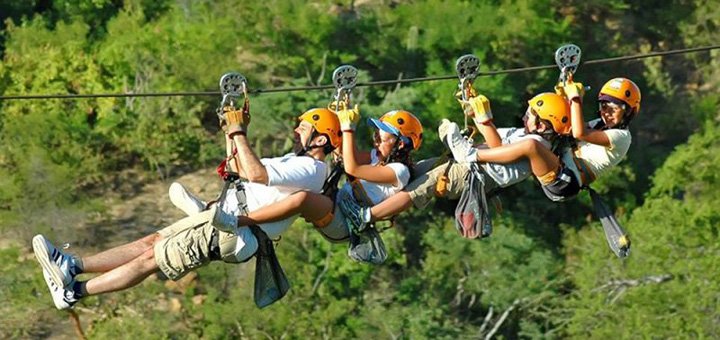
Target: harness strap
587 176
441 187
360 194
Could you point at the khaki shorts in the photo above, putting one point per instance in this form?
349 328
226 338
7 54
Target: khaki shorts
422 188
185 245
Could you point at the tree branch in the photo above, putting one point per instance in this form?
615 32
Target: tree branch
486 322
502 319
322 273
618 284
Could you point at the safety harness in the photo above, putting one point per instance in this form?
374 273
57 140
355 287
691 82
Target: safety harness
271 283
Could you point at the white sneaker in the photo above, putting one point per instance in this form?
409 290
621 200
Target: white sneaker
61 267
62 298
443 128
462 150
222 220
185 200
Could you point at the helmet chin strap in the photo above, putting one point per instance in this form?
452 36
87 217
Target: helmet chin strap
308 147
548 134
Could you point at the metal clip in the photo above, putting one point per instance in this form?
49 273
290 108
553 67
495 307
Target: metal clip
467 70
233 86
344 78
567 58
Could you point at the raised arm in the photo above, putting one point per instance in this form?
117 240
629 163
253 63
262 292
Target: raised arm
478 108
250 166
253 170
580 130
357 164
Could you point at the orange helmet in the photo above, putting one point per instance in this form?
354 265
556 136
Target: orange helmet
622 91
553 108
400 123
324 121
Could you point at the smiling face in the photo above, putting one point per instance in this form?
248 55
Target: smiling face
612 114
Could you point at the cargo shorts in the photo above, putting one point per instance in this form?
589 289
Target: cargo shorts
422 189
186 245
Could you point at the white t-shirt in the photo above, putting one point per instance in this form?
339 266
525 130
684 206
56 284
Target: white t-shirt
286 175
509 174
378 192
597 157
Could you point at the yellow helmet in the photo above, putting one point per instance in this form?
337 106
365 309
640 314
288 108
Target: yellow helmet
324 121
401 123
553 108
622 91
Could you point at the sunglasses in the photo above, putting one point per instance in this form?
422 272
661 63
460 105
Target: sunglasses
378 139
610 106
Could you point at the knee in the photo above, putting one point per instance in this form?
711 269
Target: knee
531 146
147 259
297 199
150 240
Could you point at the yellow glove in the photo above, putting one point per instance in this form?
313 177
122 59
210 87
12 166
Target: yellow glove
349 118
237 121
480 107
571 90
464 103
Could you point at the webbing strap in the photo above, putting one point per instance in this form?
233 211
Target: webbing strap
586 174
360 194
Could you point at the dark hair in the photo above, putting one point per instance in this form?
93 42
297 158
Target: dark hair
328 147
402 155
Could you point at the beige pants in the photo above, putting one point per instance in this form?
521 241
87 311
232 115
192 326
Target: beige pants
422 188
185 245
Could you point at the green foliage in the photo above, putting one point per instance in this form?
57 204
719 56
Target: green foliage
56 156
675 234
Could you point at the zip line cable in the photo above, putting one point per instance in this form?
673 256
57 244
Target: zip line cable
371 83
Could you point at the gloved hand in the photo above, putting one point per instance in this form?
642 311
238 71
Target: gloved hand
480 107
237 122
349 118
470 92
574 91
476 106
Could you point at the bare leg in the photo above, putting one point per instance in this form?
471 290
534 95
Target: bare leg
542 160
120 255
124 276
309 205
391 206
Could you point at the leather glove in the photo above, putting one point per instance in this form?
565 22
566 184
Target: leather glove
237 122
349 118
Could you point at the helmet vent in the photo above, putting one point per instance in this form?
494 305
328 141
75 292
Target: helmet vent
540 103
564 119
316 117
627 93
401 121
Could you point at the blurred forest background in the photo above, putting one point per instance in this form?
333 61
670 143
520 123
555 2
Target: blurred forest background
546 272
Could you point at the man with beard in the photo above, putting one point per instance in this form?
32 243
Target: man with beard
195 241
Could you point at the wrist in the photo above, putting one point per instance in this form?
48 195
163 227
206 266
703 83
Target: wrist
233 134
